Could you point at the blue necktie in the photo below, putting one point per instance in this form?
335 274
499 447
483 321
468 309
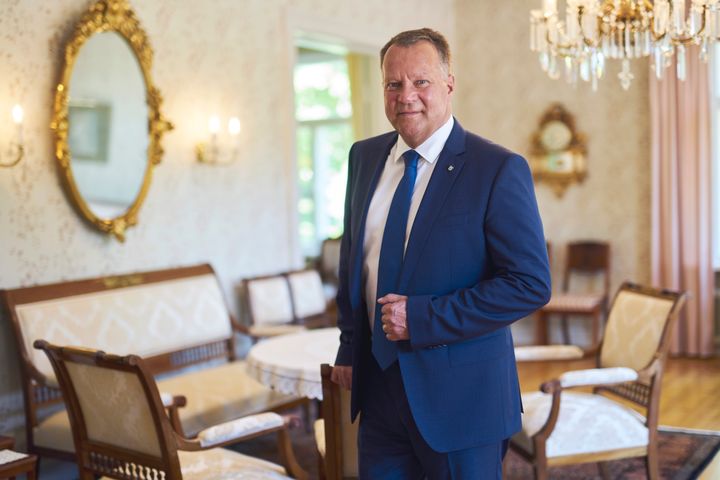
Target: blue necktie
392 252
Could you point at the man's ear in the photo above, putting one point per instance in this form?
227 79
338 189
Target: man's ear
450 83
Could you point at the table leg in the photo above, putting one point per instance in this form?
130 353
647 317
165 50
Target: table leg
541 328
596 328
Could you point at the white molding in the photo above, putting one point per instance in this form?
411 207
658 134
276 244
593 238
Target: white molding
355 37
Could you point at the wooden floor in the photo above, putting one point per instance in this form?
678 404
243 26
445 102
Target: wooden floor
690 393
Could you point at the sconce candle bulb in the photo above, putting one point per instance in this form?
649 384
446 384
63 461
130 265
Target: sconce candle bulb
234 126
216 150
17 114
214 125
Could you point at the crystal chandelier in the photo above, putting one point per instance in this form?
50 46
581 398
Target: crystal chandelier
596 30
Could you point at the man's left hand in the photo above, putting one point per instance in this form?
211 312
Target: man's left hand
394 317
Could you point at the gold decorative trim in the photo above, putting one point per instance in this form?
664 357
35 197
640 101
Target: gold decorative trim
574 168
106 16
123 281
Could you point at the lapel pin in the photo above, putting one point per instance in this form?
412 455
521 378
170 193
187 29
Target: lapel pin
451 168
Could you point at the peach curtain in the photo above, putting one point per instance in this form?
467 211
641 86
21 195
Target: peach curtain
681 199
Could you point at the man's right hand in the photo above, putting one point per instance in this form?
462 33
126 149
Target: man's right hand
342 375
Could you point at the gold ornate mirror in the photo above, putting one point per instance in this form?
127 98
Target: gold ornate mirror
558 150
107 118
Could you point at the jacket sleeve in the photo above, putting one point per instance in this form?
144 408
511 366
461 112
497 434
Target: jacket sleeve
519 282
345 318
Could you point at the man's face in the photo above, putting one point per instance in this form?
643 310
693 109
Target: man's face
417 91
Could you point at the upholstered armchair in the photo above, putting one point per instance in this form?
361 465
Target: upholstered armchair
121 429
562 426
335 436
310 305
269 306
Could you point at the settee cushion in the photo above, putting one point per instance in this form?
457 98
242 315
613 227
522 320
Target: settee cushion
587 423
219 463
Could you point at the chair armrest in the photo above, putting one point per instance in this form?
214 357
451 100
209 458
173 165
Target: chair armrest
533 353
238 327
246 428
240 429
597 376
172 404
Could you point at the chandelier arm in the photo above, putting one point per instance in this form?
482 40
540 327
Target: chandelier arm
556 45
585 39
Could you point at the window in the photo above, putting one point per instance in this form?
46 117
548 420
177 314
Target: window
323 113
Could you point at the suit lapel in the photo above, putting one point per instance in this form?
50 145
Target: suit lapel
449 167
375 161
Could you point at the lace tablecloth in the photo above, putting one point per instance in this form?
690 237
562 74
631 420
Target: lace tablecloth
291 363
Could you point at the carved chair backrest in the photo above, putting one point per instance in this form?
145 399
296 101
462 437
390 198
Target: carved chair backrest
307 293
329 260
119 426
268 299
637 336
587 257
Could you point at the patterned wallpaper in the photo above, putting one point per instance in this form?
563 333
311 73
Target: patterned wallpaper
504 93
223 57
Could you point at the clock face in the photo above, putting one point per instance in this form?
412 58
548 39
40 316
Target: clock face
555 136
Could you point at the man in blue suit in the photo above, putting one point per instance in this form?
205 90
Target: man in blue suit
443 249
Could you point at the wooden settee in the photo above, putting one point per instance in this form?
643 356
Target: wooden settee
176 319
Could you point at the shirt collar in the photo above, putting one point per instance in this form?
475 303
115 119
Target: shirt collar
430 149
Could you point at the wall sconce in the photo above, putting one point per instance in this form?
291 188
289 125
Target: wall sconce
215 151
16 149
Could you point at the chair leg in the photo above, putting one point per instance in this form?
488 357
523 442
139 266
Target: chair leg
604 468
307 414
541 328
287 457
565 329
596 328
540 471
321 467
651 464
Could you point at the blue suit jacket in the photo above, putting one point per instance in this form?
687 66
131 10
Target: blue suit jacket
475 262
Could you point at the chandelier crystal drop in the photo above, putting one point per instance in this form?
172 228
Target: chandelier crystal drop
596 30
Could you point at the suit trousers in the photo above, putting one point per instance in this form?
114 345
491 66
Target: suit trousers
390 446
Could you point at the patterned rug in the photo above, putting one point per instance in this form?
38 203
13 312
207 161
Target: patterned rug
683 456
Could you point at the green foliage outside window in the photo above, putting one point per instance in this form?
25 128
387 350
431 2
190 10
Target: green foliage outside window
324 135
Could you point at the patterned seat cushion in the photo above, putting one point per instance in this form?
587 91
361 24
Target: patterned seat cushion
222 464
568 302
219 463
587 423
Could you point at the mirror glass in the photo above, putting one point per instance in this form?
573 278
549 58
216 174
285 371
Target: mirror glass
108 125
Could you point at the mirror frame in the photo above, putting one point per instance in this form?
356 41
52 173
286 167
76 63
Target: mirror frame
109 16
540 163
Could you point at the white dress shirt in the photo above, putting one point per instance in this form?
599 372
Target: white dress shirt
393 172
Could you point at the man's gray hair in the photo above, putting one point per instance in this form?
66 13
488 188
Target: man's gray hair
411 37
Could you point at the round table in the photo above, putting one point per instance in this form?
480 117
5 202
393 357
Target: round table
290 363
